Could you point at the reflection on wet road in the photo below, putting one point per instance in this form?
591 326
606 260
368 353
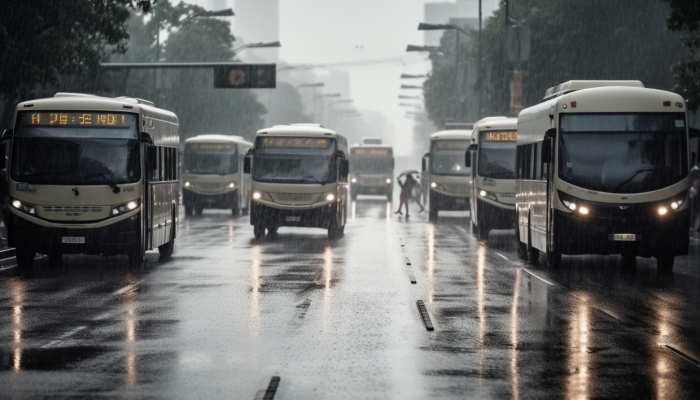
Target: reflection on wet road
339 319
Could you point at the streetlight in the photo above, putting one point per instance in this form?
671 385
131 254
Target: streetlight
436 27
412 47
411 87
403 96
307 85
227 12
409 76
256 46
416 106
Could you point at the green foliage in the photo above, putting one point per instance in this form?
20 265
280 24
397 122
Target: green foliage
685 18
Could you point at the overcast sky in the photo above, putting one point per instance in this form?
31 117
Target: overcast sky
328 31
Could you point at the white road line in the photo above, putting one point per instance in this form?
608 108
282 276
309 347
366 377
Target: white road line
125 289
501 255
72 332
462 229
538 277
608 313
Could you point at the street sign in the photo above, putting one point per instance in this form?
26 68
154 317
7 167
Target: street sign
245 76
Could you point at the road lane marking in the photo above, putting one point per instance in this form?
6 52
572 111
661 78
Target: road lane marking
412 278
608 313
538 277
126 289
424 315
682 355
502 256
462 229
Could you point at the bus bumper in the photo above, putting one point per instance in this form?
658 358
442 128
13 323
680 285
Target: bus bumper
318 217
117 238
444 202
575 235
224 201
495 217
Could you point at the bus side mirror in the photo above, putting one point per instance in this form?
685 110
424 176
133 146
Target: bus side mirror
547 145
246 164
151 159
7 134
3 149
422 164
344 168
693 132
146 138
468 154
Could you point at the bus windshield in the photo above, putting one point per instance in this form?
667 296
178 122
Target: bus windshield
623 153
371 161
211 158
447 157
294 160
74 154
496 156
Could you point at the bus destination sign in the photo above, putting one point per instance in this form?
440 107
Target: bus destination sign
210 146
507 136
74 119
370 151
299 142
451 144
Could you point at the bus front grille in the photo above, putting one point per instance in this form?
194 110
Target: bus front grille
208 185
457 187
289 198
80 209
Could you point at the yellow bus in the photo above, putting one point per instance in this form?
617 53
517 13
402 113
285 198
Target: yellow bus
300 178
212 174
92 175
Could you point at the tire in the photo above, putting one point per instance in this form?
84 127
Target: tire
199 210
272 230
533 255
629 258
25 258
433 211
664 262
234 208
189 210
389 195
353 194
520 247
333 230
55 258
554 259
474 228
258 231
483 231
166 250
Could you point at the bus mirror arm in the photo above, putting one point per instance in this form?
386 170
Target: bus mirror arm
146 138
468 159
246 162
693 132
422 164
547 145
151 161
344 168
7 134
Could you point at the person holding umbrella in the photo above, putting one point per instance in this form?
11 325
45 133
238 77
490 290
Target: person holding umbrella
406 192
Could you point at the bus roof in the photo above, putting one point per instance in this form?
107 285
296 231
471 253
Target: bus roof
85 102
571 86
296 130
212 138
456 134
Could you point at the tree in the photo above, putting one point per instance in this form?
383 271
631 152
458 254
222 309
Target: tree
42 40
685 18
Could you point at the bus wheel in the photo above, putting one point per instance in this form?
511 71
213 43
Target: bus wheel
353 194
533 255
333 230
389 195
189 210
55 258
234 208
258 231
25 258
433 211
664 262
199 210
554 259
483 231
520 246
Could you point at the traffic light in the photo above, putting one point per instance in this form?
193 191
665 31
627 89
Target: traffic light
245 76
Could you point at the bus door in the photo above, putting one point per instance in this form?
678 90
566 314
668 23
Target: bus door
547 164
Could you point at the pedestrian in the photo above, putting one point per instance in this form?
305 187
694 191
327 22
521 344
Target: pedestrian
406 192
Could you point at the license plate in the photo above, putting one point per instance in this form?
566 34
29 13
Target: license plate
293 219
625 237
72 239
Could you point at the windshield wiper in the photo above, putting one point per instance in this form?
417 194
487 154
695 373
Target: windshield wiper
637 172
51 174
115 188
314 178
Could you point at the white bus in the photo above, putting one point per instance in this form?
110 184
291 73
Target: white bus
602 168
449 177
300 178
492 159
371 170
212 174
92 175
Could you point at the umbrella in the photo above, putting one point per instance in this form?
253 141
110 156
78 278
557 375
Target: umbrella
409 171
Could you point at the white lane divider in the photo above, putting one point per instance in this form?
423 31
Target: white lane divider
537 276
502 256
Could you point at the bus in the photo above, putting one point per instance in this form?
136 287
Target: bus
602 168
92 175
492 159
449 177
371 170
212 174
300 179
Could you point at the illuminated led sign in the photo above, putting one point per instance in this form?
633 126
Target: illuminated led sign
370 151
210 146
451 144
508 136
74 119
300 142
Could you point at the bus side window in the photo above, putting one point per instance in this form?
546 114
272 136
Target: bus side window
537 160
168 163
519 162
174 164
156 174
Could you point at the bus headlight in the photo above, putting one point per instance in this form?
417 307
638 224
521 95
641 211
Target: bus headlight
433 184
124 208
330 197
662 210
187 184
488 195
677 201
583 210
24 207
388 181
571 203
353 180
231 185
257 195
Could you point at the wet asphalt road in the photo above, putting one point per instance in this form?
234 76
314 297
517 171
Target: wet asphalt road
338 320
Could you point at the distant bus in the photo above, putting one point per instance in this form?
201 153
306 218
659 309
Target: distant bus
492 159
602 168
371 140
300 178
213 174
371 170
449 177
92 175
